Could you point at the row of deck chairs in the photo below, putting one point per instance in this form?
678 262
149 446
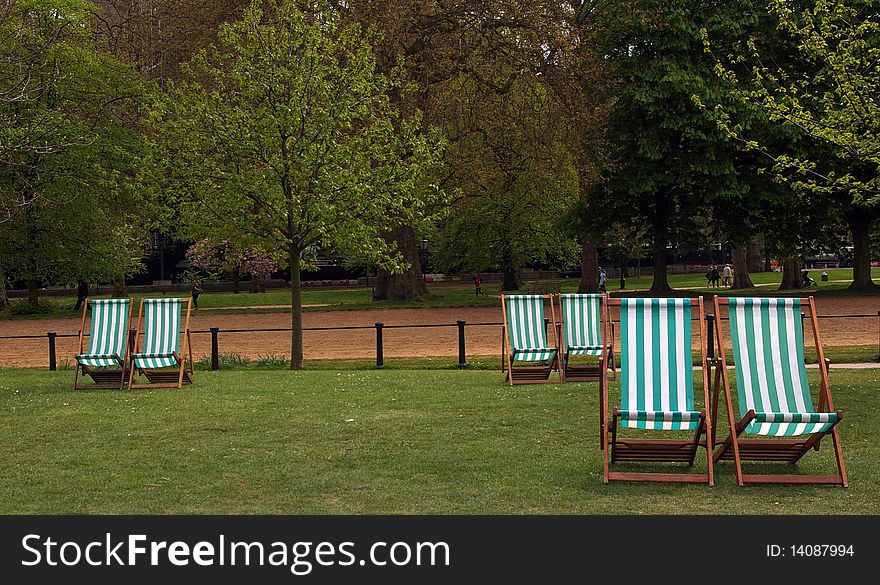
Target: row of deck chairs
116 353
578 333
773 397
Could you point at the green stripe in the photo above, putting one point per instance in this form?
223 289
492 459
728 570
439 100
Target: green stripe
656 356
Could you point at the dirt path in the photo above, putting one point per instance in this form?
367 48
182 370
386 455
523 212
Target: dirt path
361 344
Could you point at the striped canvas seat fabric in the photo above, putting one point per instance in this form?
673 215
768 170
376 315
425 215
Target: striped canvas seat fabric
527 333
109 333
768 349
583 325
161 334
657 387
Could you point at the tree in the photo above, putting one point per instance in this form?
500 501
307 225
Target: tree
285 133
514 174
669 161
216 259
69 148
828 91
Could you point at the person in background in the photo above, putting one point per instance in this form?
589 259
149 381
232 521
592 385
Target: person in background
709 277
478 285
727 275
82 291
716 275
602 279
195 292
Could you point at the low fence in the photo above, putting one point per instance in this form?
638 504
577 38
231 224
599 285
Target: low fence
379 328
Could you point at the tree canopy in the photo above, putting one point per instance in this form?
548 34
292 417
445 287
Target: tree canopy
284 138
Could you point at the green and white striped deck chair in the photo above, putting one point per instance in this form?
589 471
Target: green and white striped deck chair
581 316
767 339
656 388
525 338
160 358
105 359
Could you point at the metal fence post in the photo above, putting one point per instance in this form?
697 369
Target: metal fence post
462 357
215 349
380 357
710 330
52 355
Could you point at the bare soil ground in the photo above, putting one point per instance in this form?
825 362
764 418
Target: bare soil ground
361 343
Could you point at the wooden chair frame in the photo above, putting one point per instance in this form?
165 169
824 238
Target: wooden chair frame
656 450
165 377
529 374
586 373
104 379
789 450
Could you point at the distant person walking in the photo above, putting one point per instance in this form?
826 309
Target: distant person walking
478 286
716 276
709 277
195 292
727 275
82 291
602 280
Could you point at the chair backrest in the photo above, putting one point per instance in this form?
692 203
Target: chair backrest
161 326
525 321
109 329
582 318
656 362
768 351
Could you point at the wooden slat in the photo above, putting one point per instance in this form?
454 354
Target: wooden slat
793 479
659 477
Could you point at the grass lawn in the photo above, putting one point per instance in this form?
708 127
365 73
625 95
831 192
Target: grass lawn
398 441
447 295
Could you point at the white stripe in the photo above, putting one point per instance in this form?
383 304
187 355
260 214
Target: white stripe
663 344
632 353
760 366
523 340
793 358
778 375
682 345
647 346
743 358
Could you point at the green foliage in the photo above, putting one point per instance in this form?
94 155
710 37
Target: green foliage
670 163
514 175
69 148
285 137
834 104
227 361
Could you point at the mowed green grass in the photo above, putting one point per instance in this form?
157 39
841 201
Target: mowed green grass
358 442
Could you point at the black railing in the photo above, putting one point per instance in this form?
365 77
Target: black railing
379 328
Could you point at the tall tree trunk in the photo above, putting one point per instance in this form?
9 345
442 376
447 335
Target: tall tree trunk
661 278
4 299
756 254
511 280
661 238
33 291
741 278
791 272
859 223
236 280
296 309
409 285
589 267
119 290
